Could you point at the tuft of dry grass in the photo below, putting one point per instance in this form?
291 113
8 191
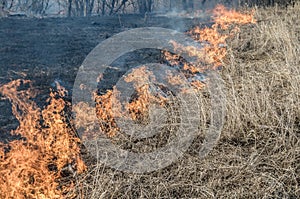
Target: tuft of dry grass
258 154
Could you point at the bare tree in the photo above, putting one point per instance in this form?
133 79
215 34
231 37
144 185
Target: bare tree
39 6
266 2
80 7
69 8
122 5
101 7
116 6
145 6
2 4
188 4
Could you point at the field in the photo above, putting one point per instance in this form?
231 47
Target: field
257 155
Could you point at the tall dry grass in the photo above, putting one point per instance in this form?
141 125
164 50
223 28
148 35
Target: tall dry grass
258 154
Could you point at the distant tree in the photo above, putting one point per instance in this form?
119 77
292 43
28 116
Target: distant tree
39 6
2 5
101 7
145 6
7 4
116 5
69 4
267 2
189 5
80 7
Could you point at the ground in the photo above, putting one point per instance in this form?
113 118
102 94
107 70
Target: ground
45 50
257 155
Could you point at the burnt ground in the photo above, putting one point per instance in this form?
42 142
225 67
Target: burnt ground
257 155
50 49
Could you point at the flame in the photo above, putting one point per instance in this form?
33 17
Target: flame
210 56
33 166
225 17
108 108
213 39
142 79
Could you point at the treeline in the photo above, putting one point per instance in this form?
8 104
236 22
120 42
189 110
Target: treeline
78 7
111 7
265 3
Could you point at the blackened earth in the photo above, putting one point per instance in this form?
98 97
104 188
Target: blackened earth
52 49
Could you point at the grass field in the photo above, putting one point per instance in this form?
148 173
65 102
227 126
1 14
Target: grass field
258 154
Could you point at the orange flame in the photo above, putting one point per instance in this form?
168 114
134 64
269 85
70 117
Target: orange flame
211 55
108 108
225 18
139 108
32 167
213 39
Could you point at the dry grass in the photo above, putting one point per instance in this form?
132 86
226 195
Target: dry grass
258 153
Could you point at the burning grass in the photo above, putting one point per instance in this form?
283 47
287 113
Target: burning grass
33 166
258 153
256 157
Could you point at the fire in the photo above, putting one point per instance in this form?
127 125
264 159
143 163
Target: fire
32 166
108 108
225 18
213 39
139 107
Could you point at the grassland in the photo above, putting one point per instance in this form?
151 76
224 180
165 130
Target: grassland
258 154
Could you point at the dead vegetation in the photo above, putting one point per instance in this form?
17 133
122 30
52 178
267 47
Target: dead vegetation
258 153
